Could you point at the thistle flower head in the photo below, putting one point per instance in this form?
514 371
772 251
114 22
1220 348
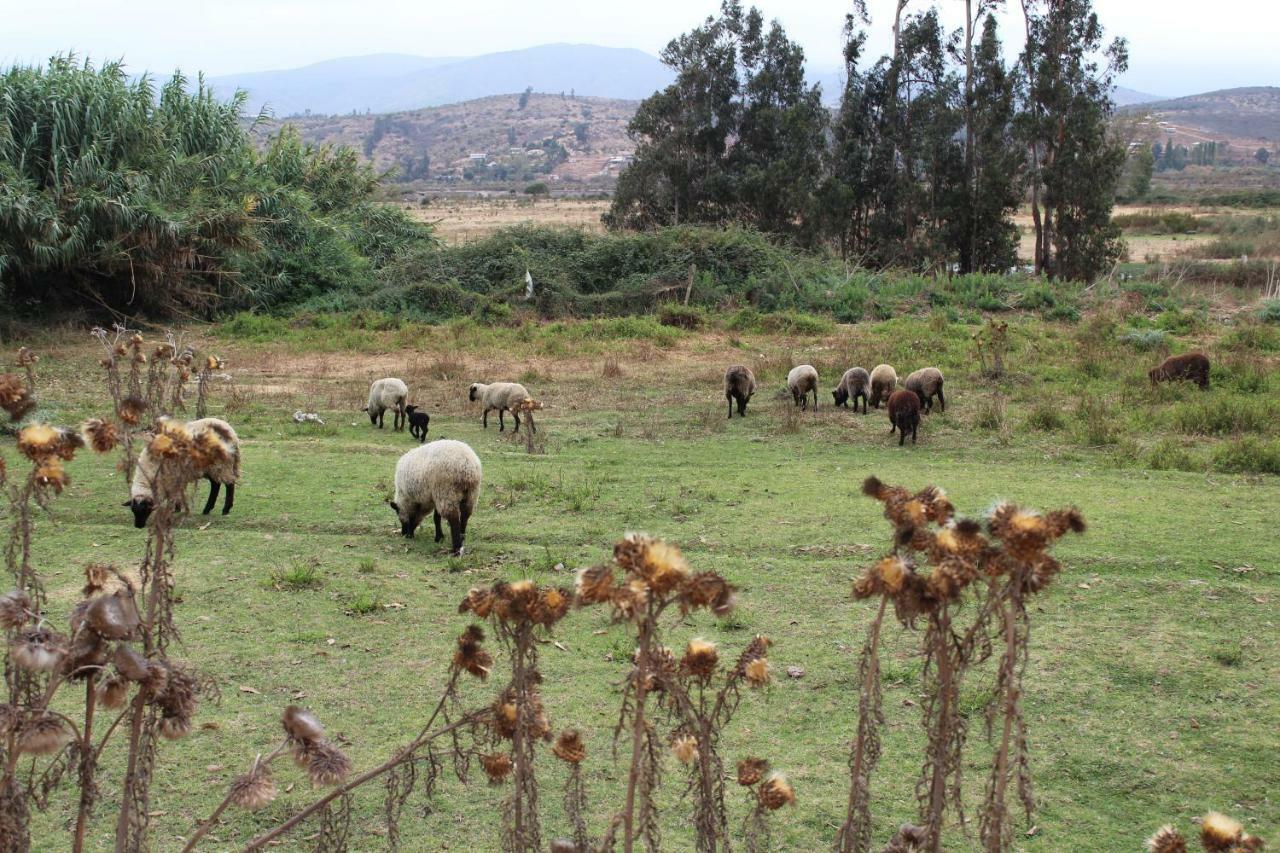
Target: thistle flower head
327 765
497 766
15 399
776 792
569 747
300 724
479 600
700 658
51 475
663 567
113 617
594 585
1167 840
1219 832
630 599
175 727
15 609
254 790
470 655
685 748
38 649
134 666
551 605
751 770
709 590
113 692
39 442
757 672
42 734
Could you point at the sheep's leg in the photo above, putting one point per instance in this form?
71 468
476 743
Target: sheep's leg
902 436
516 417
458 529
942 401
214 485
729 397
502 424
439 532
231 498
815 397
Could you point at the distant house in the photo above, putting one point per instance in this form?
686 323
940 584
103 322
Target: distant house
534 152
515 150
477 157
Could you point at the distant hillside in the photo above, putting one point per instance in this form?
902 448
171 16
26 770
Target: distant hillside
570 138
385 83
1125 97
1251 113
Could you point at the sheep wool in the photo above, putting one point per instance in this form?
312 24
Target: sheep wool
883 380
384 394
739 385
853 384
221 473
904 415
803 380
1193 366
503 397
442 478
927 384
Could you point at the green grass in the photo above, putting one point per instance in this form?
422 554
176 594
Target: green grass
1153 682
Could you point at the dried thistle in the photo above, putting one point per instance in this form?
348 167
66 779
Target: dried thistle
38 649
776 792
497 766
42 734
131 409
470 655
685 748
1166 839
569 747
700 658
39 442
113 692
751 770
15 609
594 585
326 764
15 397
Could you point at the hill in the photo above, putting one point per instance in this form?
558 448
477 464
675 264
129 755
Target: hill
1125 97
384 83
560 138
1251 113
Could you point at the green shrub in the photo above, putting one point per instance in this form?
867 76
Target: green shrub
1168 455
1247 456
1224 415
1252 336
1095 422
1269 312
1145 339
1046 417
681 316
1179 322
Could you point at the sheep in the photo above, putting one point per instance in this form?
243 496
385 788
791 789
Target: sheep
739 385
442 478
927 383
801 380
1192 365
853 385
503 396
387 394
883 380
418 423
225 472
904 414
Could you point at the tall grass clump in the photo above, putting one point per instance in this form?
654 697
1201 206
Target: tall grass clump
1247 455
1225 415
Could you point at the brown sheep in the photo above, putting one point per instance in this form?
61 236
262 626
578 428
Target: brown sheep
1192 365
802 380
883 380
904 414
853 385
739 385
927 383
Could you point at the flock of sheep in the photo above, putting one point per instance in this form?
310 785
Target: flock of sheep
442 478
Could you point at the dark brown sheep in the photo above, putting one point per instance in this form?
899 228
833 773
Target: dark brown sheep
1193 366
739 385
904 414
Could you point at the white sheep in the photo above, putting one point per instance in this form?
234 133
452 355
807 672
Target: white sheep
503 396
443 478
386 394
224 472
801 380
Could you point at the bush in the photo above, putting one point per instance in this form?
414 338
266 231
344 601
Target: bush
1224 416
1145 339
1269 312
1179 322
1046 418
1095 422
1247 456
681 316
1168 455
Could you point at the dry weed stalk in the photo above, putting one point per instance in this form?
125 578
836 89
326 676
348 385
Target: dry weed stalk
1014 562
992 345
527 407
1218 834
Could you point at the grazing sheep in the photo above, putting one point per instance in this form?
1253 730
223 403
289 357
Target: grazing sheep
387 394
418 422
801 380
927 384
853 385
904 414
1192 365
739 385
225 472
442 478
883 380
503 396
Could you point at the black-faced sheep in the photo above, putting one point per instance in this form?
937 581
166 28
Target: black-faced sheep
927 384
739 385
802 380
418 422
883 380
853 384
502 396
225 472
1193 366
442 478
387 394
904 414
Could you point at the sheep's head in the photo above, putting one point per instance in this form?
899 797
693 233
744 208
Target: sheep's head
142 508
411 409
408 522
473 393
840 395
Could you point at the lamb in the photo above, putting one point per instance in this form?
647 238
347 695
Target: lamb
853 385
503 396
1192 365
927 383
801 380
225 472
442 478
418 422
883 380
739 385
904 414
387 394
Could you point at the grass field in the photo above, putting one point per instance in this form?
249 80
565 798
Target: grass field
1154 687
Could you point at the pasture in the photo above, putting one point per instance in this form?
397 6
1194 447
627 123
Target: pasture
1154 683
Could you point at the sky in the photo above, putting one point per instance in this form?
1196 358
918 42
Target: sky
1176 48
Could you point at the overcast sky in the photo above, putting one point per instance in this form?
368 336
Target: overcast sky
1176 46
